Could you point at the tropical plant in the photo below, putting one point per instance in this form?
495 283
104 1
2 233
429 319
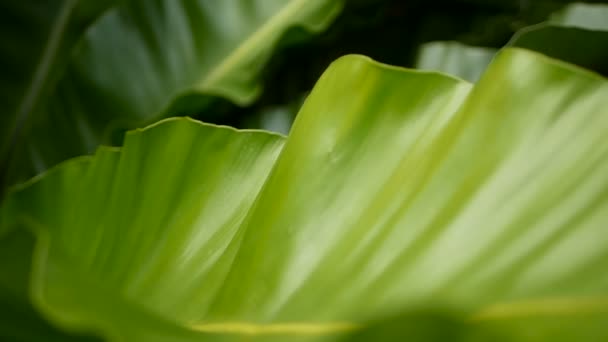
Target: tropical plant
395 189
134 65
581 29
402 205
459 38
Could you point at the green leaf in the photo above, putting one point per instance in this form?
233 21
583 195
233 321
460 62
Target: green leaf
36 39
545 321
19 321
395 189
585 48
411 327
140 59
578 34
466 62
427 326
581 15
412 170
210 174
213 48
277 118
556 319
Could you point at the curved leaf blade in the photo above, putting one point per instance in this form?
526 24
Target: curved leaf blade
142 57
196 50
417 192
214 171
397 219
578 34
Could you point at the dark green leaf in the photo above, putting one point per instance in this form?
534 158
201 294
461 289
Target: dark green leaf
578 34
36 39
138 60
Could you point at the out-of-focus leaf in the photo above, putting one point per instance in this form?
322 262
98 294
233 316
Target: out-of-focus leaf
426 327
466 62
275 118
140 59
19 321
549 320
585 48
553 319
581 15
395 189
371 28
36 38
578 34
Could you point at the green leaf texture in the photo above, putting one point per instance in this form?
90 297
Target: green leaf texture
144 57
395 190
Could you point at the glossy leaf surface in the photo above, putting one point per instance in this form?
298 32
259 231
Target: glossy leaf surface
395 189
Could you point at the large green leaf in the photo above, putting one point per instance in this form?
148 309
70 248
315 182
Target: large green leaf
395 189
210 174
577 34
415 177
36 38
140 59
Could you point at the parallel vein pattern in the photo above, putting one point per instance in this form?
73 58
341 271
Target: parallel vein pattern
396 189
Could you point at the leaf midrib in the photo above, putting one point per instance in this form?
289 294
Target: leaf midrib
266 29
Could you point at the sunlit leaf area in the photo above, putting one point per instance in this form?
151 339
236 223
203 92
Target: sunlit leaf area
303 170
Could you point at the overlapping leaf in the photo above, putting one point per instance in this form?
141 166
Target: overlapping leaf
395 189
578 34
144 56
36 39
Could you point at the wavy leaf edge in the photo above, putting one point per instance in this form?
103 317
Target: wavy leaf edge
43 244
